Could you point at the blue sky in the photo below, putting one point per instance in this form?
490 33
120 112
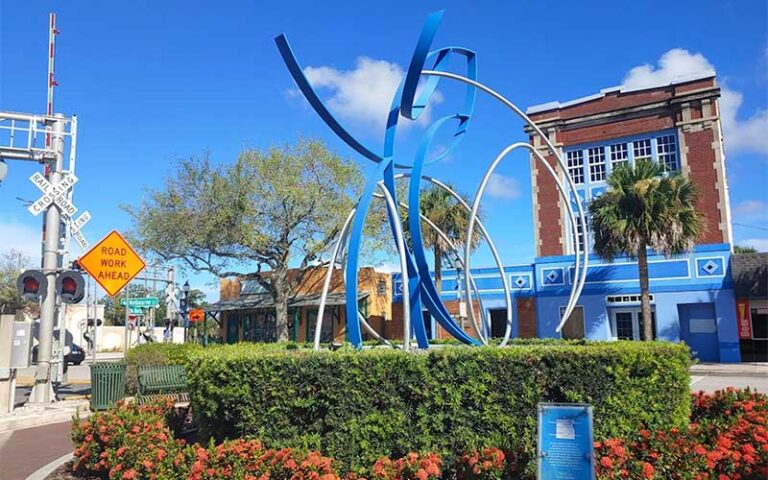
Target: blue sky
153 81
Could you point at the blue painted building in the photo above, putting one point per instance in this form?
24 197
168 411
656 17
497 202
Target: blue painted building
676 125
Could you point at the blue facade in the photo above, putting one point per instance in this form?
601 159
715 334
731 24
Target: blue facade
693 298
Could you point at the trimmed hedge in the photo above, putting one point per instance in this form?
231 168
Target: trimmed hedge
359 406
155 354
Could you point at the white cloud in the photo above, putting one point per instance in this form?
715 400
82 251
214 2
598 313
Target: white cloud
363 95
501 186
751 207
759 244
388 268
23 238
747 135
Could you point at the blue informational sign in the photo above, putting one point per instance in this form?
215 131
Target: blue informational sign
565 445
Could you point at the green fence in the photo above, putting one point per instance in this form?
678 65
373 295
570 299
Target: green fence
107 384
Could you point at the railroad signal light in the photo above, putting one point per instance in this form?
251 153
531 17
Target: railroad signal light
32 285
70 286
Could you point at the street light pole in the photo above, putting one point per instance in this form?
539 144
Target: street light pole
42 391
185 309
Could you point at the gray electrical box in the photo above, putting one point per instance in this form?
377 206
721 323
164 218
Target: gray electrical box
21 344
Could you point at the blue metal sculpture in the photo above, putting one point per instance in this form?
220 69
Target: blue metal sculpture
409 102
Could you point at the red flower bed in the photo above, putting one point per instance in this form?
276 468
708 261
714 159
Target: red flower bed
726 439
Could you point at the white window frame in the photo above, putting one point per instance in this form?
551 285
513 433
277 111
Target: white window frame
597 168
619 153
644 146
666 153
575 163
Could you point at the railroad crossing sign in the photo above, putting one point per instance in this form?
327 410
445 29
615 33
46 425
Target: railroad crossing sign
76 225
112 263
56 194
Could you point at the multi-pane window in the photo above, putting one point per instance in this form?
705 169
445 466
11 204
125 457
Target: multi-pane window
575 160
596 164
643 149
666 151
619 155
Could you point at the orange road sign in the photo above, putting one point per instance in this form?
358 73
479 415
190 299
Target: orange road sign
112 263
196 315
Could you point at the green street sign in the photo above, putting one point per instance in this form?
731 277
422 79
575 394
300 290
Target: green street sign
144 302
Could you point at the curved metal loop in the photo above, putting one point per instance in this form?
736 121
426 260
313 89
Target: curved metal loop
580 279
486 178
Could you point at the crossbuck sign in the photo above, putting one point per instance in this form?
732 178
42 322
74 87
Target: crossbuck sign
57 194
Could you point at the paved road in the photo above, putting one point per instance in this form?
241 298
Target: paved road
710 383
22 452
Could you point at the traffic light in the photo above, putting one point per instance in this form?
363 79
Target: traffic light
32 285
70 286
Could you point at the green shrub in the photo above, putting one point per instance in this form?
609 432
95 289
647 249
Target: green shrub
359 406
155 354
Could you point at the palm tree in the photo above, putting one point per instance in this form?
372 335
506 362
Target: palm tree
448 215
644 208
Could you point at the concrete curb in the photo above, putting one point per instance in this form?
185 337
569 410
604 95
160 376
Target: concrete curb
761 372
39 418
43 472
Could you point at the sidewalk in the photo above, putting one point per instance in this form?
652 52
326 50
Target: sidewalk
731 369
22 452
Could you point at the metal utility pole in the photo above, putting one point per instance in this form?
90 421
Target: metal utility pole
42 391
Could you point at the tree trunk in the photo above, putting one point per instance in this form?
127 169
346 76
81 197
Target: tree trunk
645 298
438 268
281 305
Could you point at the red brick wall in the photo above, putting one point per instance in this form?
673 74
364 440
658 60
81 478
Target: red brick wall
623 128
547 203
526 317
624 121
701 161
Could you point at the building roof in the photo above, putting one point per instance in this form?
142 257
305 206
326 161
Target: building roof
249 302
617 89
750 275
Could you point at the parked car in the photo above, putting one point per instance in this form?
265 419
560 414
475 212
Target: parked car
76 355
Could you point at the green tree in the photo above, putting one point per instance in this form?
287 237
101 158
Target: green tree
255 218
643 208
443 210
740 249
12 263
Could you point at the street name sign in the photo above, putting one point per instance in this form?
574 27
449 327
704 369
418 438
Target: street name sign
112 263
56 194
145 302
565 444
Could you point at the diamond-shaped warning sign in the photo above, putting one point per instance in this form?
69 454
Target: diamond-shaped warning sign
112 263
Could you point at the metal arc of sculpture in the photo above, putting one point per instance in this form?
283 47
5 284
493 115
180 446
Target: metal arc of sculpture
426 68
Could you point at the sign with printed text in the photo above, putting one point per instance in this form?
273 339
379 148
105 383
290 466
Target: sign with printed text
196 315
565 443
144 302
56 194
112 263
743 320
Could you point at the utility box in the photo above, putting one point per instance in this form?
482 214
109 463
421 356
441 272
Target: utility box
21 344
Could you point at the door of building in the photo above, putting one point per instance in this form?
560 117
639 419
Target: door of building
627 323
498 322
233 328
574 326
698 329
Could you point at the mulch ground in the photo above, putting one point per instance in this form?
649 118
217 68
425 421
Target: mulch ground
64 472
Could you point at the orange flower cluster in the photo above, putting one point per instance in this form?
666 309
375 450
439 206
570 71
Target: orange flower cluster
727 439
413 466
486 464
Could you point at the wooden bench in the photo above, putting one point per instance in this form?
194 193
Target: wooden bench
162 381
